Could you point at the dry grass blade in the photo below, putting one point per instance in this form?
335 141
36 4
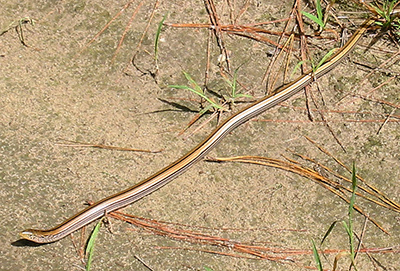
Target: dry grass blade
387 203
379 194
333 186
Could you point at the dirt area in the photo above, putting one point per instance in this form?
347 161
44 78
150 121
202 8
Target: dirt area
59 88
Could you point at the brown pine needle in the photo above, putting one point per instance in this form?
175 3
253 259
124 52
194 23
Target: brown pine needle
366 77
101 146
274 253
145 30
128 26
199 127
214 19
163 229
332 120
106 26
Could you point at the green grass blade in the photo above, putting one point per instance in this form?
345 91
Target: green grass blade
297 67
316 256
349 226
205 109
314 18
90 245
181 87
234 83
241 95
354 188
326 57
351 209
319 11
158 37
189 88
194 83
197 90
328 232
